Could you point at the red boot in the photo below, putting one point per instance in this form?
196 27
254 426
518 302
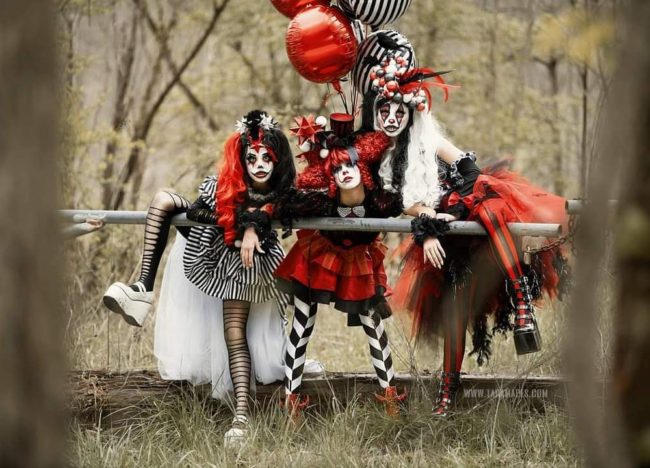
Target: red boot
391 400
449 385
294 404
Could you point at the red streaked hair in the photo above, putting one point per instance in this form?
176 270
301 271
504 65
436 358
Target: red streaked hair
314 176
231 187
370 147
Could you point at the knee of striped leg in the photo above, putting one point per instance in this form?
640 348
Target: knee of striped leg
163 200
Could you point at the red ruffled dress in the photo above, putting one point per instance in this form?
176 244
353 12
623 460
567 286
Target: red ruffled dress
471 267
339 267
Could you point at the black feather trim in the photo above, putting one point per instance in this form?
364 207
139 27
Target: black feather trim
381 305
481 340
302 204
261 222
425 226
385 204
423 76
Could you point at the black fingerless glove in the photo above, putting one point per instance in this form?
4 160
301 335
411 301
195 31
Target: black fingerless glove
425 226
261 222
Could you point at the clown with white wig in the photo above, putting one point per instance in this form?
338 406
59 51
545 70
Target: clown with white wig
447 283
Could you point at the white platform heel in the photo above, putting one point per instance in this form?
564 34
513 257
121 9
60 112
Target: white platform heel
132 305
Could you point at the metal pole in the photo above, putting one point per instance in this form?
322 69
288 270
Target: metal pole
464 228
577 206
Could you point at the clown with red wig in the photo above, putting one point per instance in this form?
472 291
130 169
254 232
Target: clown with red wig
220 317
338 267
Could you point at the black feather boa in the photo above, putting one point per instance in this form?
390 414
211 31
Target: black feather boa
425 226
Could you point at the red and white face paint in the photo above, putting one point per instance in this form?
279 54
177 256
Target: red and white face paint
392 118
259 164
347 176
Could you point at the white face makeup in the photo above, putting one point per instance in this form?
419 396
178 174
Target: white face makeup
392 118
347 176
259 164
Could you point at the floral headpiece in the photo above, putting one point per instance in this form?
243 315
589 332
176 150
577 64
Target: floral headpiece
254 125
392 80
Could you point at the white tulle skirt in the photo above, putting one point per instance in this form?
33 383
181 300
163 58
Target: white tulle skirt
189 340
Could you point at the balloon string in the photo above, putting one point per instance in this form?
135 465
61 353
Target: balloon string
336 84
326 98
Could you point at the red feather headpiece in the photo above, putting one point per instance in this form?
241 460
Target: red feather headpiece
392 80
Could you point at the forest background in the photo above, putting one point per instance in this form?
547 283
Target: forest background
152 89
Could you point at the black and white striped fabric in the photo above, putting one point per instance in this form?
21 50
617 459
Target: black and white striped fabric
371 47
380 353
375 13
217 269
359 30
302 327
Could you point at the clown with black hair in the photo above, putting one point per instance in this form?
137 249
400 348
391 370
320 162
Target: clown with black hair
220 317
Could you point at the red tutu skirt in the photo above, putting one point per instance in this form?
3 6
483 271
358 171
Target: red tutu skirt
317 270
518 200
471 270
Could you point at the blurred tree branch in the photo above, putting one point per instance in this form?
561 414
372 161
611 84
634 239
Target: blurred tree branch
121 109
143 125
162 36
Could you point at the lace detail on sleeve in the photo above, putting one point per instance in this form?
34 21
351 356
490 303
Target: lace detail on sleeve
455 176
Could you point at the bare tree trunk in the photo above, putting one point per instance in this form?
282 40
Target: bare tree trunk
615 433
31 423
631 365
584 160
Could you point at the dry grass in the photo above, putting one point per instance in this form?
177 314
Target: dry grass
190 432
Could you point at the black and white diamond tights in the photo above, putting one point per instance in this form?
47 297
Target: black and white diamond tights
302 327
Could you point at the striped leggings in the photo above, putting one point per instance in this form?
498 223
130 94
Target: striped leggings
302 327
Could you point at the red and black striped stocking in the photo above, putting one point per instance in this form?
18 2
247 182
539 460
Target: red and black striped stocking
505 251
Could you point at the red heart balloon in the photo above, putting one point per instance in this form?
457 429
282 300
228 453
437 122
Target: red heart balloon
321 44
291 8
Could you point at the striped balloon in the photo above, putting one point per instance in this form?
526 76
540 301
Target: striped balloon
359 31
372 47
375 13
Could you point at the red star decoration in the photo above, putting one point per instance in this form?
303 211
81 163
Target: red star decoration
307 129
